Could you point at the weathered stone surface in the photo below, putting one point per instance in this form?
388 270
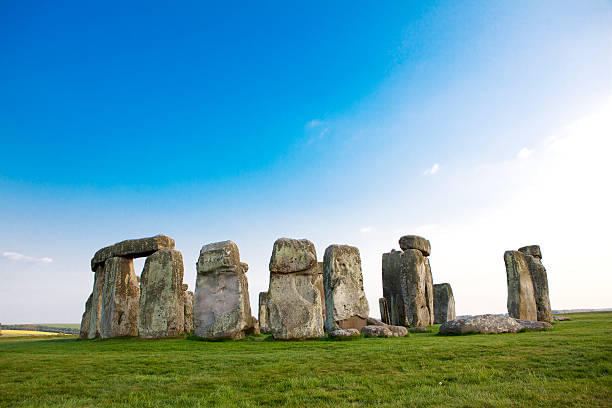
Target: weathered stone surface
96 304
559 318
321 287
292 255
253 327
376 331
375 322
540 288
132 248
263 312
344 333
162 308
415 242
418 330
86 319
295 307
384 310
222 308
533 250
392 287
345 301
185 287
429 292
534 326
188 308
521 296
487 324
120 299
398 331
444 303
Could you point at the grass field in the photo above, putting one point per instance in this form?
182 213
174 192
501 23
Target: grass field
569 366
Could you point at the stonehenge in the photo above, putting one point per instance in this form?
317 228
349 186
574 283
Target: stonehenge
263 312
444 303
345 301
221 299
120 298
295 307
408 283
188 311
528 297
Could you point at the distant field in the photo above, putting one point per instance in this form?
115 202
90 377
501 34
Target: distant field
569 366
13 333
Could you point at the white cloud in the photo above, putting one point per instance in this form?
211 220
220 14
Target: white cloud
314 123
17 257
366 229
434 169
524 153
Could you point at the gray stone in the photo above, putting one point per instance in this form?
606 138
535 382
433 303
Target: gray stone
429 291
384 310
263 312
415 242
188 307
540 288
295 309
96 304
533 250
375 322
86 319
521 298
321 286
398 331
162 308
534 326
292 255
559 318
345 301
392 287
444 303
222 308
376 331
132 248
487 324
344 333
120 299
253 328
418 330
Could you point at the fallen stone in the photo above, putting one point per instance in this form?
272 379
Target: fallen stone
345 301
120 299
344 333
376 331
375 322
221 308
521 297
418 330
444 303
384 310
535 326
292 255
415 242
188 307
162 308
540 288
263 312
398 331
487 324
86 319
295 309
559 318
533 250
132 248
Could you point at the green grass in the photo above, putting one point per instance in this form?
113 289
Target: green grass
568 366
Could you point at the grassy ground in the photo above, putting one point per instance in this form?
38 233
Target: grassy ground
569 366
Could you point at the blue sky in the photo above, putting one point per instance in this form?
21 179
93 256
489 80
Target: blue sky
481 125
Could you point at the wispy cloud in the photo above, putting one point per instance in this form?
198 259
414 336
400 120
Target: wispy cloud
524 153
17 257
365 230
433 170
314 123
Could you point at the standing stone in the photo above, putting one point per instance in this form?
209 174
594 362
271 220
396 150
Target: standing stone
162 311
321 287
86 319
95 317
345 301
188 304
263 312
392 287
444 303
429 291
120 298
221 308
384 310
295 309
521 299
540 286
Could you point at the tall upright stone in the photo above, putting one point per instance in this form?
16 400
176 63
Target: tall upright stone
393 287
120 298
429 291
384 310
162 309
295 308
188 304
263 312
521 299
444 303
345 301
86 318
95 316
533 257
221 305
